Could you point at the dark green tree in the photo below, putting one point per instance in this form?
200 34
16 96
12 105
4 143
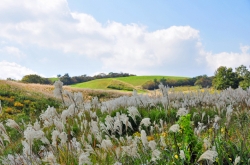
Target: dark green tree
224 78
33 78
66 79
244 76
203 81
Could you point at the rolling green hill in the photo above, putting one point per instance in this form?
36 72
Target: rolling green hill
134 81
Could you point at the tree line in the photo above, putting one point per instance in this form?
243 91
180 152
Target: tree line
203 81
67 80
223 78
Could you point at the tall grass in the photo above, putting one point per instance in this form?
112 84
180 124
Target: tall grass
198 127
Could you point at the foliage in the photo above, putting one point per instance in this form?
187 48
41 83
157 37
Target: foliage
203 81
244 76
224 78
33 78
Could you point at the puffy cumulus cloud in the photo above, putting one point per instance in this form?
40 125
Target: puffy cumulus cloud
229 59
13 70
176 50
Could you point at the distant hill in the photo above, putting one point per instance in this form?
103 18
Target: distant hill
135 82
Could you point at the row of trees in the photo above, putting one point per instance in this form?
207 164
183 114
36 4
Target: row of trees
202 81
67 80
225 77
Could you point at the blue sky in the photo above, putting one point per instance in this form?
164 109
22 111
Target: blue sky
181 38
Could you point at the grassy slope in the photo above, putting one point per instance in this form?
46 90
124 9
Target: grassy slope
136 81
53 79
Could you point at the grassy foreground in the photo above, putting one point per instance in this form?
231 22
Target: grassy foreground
198 127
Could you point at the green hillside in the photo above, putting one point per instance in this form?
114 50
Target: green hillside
133 81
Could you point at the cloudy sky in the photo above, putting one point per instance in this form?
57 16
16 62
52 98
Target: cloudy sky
143 37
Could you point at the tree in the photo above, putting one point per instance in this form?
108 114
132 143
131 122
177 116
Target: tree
224 78
33 78
244 76
203 81
66 79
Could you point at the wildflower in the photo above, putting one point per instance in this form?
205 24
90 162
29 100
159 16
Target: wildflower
176 156
174 128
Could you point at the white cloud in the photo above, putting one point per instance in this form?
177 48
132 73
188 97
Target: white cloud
131 48
229 59
13 70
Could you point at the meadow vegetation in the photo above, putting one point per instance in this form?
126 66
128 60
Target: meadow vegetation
170 127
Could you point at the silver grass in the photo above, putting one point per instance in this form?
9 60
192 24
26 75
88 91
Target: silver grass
182 155
182 112
2 128
155 155
208 155
174 128
58 88
11 123
133 112
237 160
1 107
144 138
152 145
146 122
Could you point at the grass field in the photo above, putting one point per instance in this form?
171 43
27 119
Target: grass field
53 79
136 81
